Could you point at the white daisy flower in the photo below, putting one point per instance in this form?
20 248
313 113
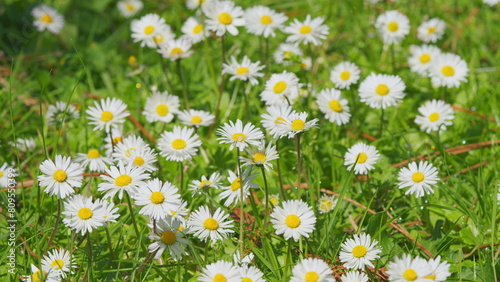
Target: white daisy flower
179 145
196 118
94 160
263 21
392 26
419 177
246 70
61 113
194 30
60 260
83 215
194 4
232 193
287 54
213 181
422 58
124 148
162 37
310 31
312 269
239 136
334 107
434 115
327 203
175 49
491 3
242 262
122 178
129 8
448 70
276 115
158 199
223 16
261 156
380 91
149 29
251 274
431 30
180 213
220 271
274 200
52 275
47 18
112 139
7 174
110 112
281 88
169 234
354 276
206 225
161 106
111 213
440 270
60 177
359 252
144 158
296 123
364 156
306 63
294 220
344 75
407 269
24 144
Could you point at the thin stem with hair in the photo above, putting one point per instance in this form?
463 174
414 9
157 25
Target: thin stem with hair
59 203
381 123
183 82
299 164
134 223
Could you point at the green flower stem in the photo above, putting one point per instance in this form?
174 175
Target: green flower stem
183 82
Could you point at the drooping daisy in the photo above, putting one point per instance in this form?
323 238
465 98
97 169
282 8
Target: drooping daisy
326 203
194 30
168 235
94 160
312 269
110 112
196 118
359 252
246 70
128 144
194 4
232 193
111 212
251 274
223 16
158 199
310 31
60 177
281 88
440 270
7 174
161 106
37 275
263 21
179 145
448 70
364 156
287 54
206 225
392 26
175 49
47 18
296 123
129 8
220 271
213 181
422 58
407 269
148 27
334 107
294 220
238 135
61 113
24 144
122 178
261 155
276 115
434 115
354 276
344 75
60 260
82 214
380 91
144 158
419 177
431 30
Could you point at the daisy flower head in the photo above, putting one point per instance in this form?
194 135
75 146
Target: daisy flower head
60 113
60 177
422 58
59 260
293 220
161 106
180 213
232 193
51 275
238 135
150 29
47 18
281 88
129 8
434 115
246 70
157 198
122 178
111 212
392 26
407 269
440 270
175 49
194 30
310 31
205 225
112 139
354 276
261 155
431 30
327 203
196 118
344 75
179 145
7 174
274 200
24 144
93 160
194 4
363 156
380 91
491 3
312 269
263 21
143 157
334 107
419 177
110 112
242 261
82 214
306 63
448 70
359 252
251 273
124 148
213 181
168 234
220 271
276 115
287 54
223 16
296 123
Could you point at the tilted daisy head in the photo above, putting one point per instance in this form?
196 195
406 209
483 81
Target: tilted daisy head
223 16
82 214
194 30
380 91
176 49
7 175
232 193
110 112
296 123
246 70
179 145
94 160
309 31
362 156
434 115
157 198
206 225
408 269
168 235
60 176
344 75
238 135
161 106
392 26
326 203
420 178
198 185
440 270
122 178
281 88
422 58
220 271
59 259
293 220
287 54
261 155
359 252
151 30
263 21
275 116
312 269
196 118
448 70
129 8
47 18
354 276
61 113
335 108
431 30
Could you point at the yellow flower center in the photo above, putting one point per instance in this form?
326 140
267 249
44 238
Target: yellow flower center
179 144
176 52
382 90
280 120
220 278
273 201
132 60
359 251
123 180
425 58
305 29
279 87
418 177
58 264
85 213
158 38
434 117
139 161
205 182
393 26
287 54
432 277
236 184
162 110
117 140
431 30
335 106
106 116
1 173
362 158
149 29
225 18
246 279
345 75
46 19
127 152
239 137
448 70
410 275
197 29
130 7
36 276
242 70
266 20
292 221
298 124
196 119
303 65
60 175
93 154
168 237
311 276
211 224
157 198
259 157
